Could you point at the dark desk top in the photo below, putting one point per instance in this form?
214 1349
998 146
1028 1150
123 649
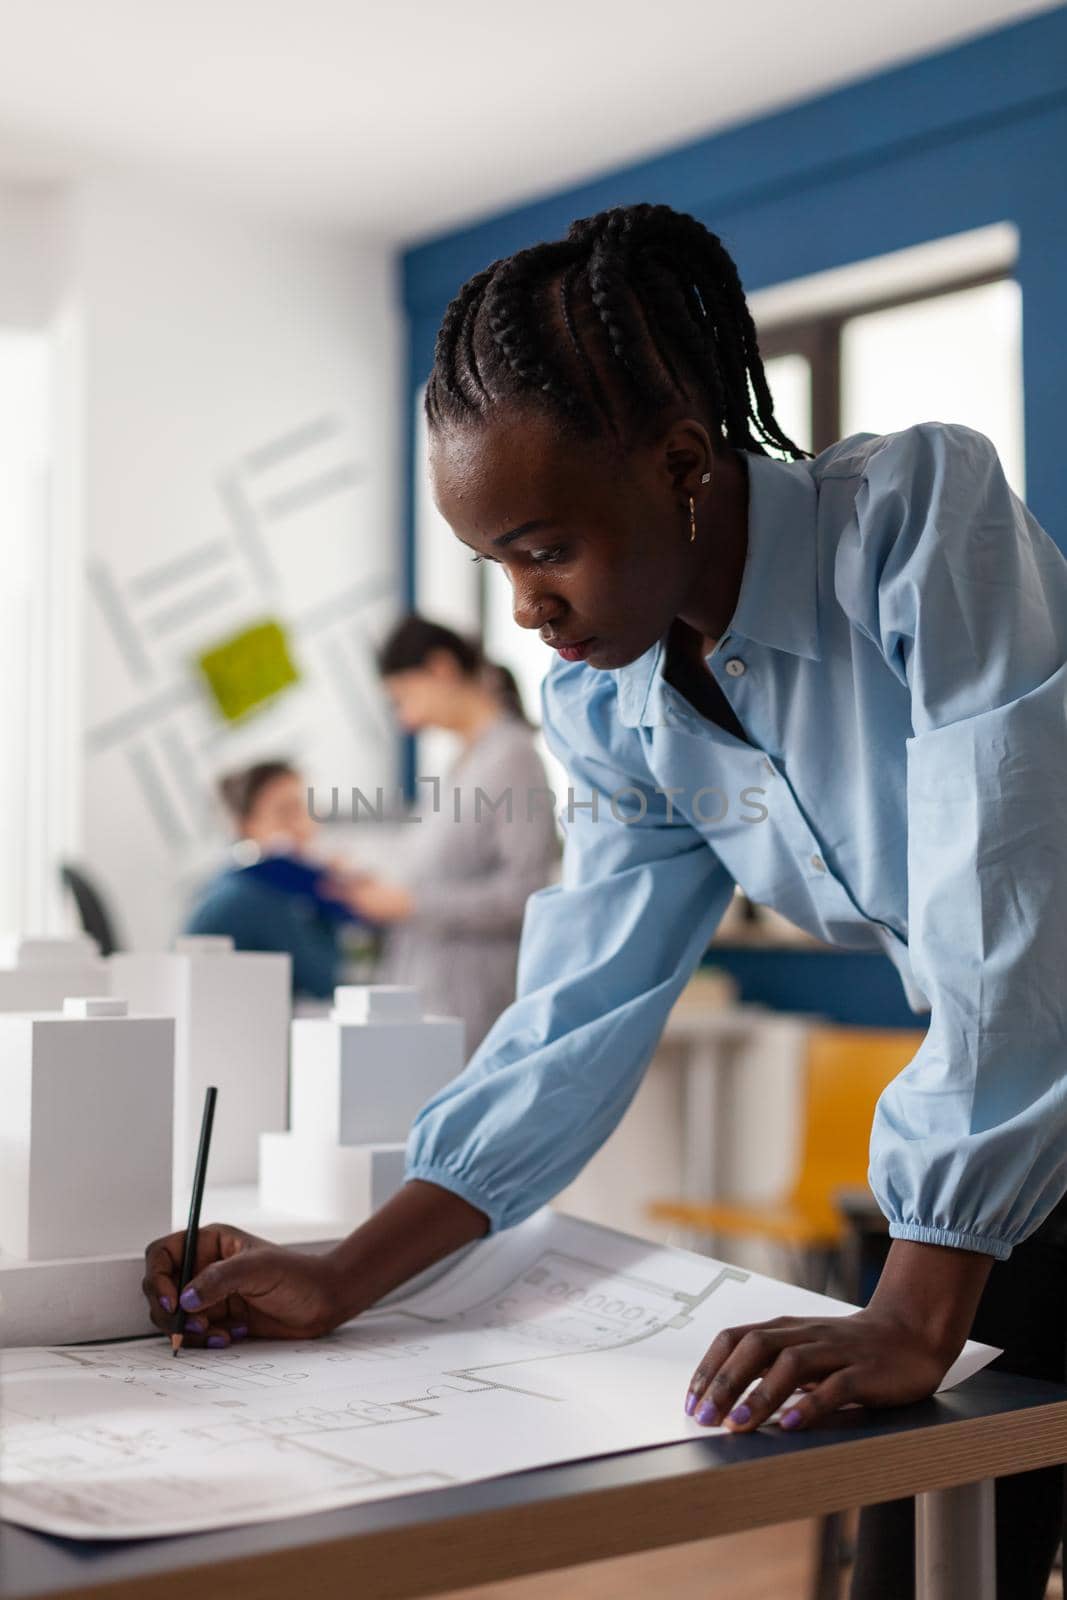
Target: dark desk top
535 1521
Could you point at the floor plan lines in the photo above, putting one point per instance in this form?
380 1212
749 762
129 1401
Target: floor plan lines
515 1357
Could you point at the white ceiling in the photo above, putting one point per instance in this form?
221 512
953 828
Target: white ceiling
405 117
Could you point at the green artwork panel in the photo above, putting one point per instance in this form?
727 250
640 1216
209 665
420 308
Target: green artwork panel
249 669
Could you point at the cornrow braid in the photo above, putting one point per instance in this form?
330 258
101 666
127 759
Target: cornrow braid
568 287
715 305
517 336
443 392
638 307
764 411
675 311
611 273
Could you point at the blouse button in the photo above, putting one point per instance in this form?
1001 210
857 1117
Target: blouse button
735 667
818 863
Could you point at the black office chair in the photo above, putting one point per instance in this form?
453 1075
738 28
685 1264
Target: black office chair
93 913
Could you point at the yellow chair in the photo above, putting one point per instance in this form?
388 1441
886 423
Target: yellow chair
846 1071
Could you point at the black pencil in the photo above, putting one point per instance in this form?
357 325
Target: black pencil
193 1225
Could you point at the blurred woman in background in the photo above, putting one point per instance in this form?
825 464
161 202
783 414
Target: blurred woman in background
486 837
267 804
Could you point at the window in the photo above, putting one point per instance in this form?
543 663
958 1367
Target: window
790 380
955 357
928 334
447 584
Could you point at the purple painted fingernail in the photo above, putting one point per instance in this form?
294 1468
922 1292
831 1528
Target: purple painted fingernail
791 1419
741 1414
195 1324
217 1342
707 1414
166 1302
691 1403
238 1333
190 1300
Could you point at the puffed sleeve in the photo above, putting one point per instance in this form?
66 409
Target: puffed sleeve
603 956
966 597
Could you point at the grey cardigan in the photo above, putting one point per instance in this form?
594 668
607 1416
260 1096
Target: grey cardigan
471 864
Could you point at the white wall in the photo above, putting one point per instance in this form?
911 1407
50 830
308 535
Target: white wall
34 253
233 456
40 557
213 343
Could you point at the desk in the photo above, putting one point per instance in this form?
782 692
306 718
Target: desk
946 1450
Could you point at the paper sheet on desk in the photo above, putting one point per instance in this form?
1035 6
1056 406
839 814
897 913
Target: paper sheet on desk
552 1342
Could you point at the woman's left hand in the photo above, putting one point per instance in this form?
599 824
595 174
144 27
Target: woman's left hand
869 1358
893 1353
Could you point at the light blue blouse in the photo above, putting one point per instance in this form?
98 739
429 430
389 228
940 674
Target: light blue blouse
897 655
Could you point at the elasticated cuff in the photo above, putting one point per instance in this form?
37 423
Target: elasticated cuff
445 1178
950 1239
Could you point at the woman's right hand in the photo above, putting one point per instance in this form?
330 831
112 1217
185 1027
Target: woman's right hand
243 1286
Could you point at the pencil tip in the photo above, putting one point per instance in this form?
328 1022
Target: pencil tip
175 1343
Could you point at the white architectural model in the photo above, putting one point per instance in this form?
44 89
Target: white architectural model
358 1078
38 974
232 1010
86 1107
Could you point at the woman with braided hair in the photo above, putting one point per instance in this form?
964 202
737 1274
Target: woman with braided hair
839 682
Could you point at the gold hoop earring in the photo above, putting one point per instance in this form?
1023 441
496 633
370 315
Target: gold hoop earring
692 519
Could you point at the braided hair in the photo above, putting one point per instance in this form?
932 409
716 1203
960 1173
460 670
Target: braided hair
638 308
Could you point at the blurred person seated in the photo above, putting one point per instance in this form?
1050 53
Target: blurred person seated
452 926
282 911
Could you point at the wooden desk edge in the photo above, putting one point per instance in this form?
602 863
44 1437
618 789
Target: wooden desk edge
512 1541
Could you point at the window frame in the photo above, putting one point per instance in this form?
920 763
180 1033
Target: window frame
818 340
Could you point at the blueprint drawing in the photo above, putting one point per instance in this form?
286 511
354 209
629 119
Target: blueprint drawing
554 1341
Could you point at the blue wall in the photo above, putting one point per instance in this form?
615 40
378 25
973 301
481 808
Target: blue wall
973 135
859 988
